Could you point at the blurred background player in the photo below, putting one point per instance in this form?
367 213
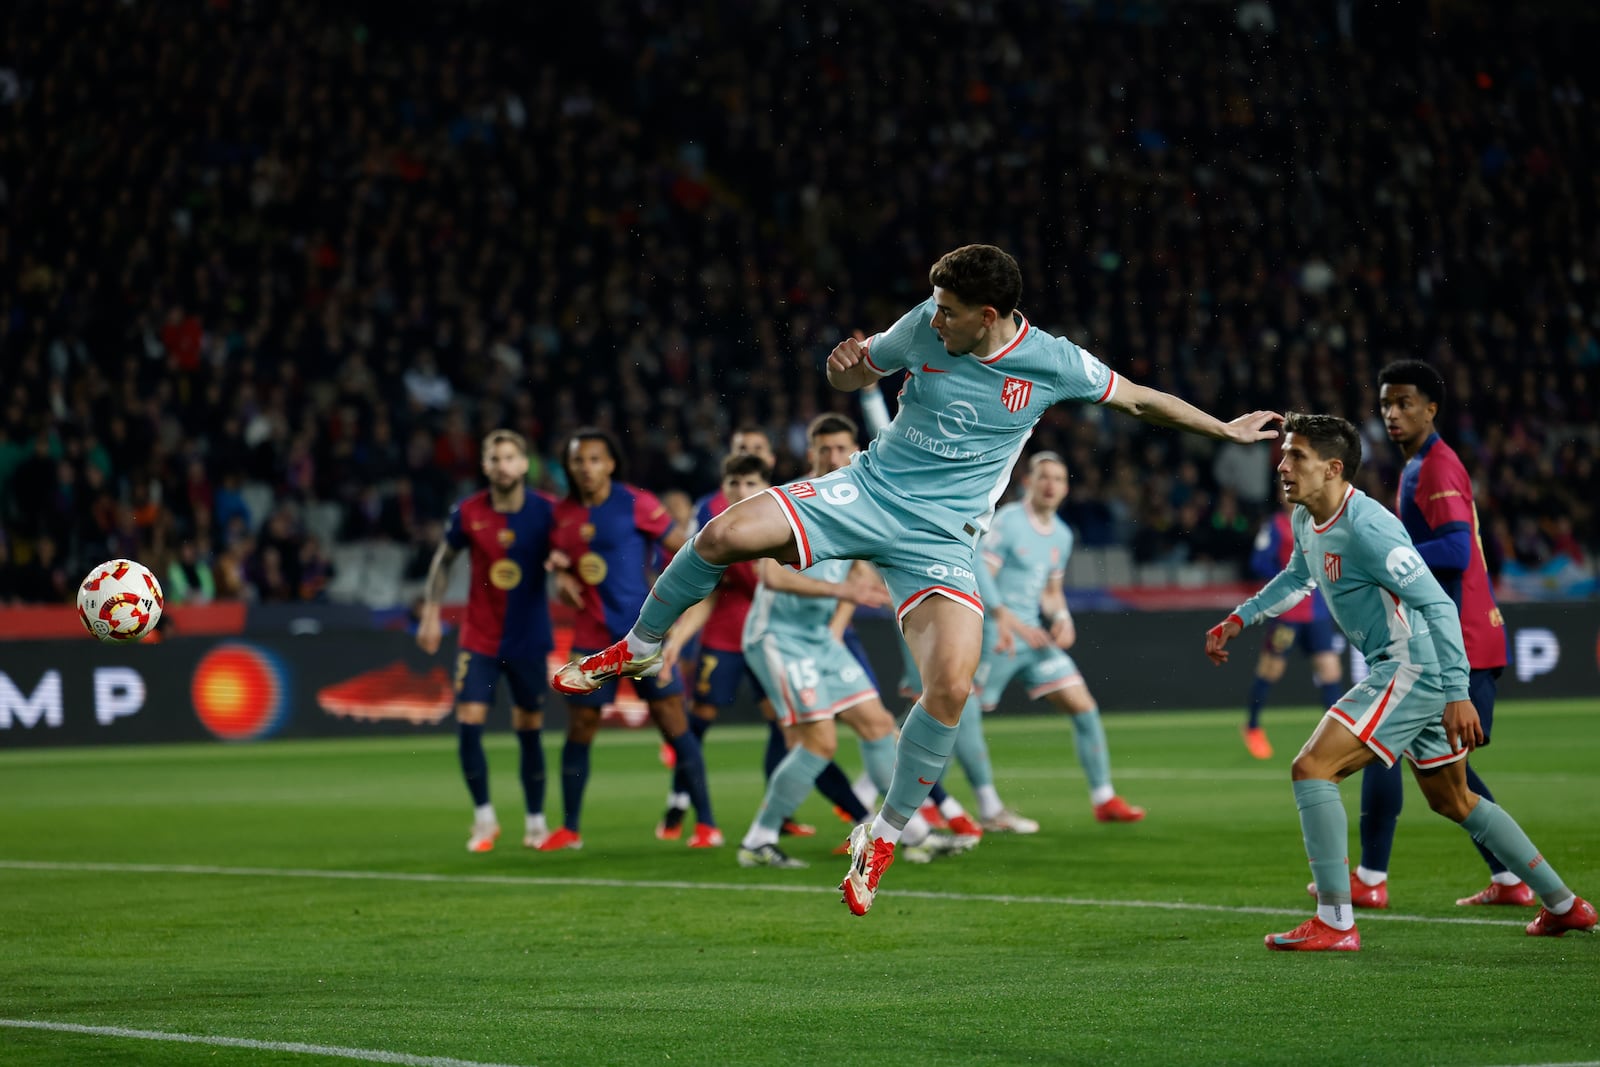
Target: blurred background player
718 624
1436 506
506 630
1306 625
812 679
609 531
1022 570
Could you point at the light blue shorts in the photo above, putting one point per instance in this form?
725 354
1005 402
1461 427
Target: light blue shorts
1044 670
805 681
842 516
1398 710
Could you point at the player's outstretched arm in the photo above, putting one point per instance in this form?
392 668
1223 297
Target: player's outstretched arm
1164 409
429 629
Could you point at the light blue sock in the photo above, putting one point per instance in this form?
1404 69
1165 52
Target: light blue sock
878 758
1090 738
1326 831
972 749
687 580
1493 828
788 787
919 760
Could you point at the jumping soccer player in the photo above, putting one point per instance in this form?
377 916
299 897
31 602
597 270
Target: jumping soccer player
914 503
1414 703
506 532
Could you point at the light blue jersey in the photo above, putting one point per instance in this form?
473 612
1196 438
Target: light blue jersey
1378 590
792 616
1023 557
807 672
963 421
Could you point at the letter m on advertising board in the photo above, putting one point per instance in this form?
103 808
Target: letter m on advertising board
43 704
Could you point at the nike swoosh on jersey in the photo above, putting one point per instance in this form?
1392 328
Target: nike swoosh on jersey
927 369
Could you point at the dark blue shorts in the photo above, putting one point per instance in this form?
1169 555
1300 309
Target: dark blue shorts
718 676
477 674
657 688
852 641
1481 688
1311 637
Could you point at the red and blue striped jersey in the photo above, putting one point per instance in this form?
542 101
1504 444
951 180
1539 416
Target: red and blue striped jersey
610 545
1435 502
724 629
508 614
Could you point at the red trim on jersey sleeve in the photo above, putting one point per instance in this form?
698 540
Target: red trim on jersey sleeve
1111 387
866 356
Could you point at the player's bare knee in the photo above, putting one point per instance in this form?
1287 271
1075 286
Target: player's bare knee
943 696
1454 805
523 719
1307 766
472 714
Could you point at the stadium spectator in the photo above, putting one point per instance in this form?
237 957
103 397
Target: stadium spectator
400 217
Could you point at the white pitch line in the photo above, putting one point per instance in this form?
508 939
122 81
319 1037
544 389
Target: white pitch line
370 1055
724 887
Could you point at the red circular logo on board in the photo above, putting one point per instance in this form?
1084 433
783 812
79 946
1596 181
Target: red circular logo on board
239 692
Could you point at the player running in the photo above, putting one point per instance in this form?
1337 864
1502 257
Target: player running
914 503
505 529
1415 702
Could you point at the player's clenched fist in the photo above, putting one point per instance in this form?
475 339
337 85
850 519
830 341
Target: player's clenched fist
1219 635
848 353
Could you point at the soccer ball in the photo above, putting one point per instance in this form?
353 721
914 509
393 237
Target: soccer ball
120 601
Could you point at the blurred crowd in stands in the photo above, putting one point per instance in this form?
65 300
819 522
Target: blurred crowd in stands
264 260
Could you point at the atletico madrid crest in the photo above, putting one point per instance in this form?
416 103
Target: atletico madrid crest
1330 566
1016 393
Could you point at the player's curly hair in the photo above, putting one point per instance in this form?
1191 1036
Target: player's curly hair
1416 373
1330 436
980 275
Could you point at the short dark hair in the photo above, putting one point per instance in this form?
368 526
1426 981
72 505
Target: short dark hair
1330 436
980 275
748 428
832 422
592 433
742 463
1414 372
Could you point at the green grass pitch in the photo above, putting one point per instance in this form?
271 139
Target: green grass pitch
319 893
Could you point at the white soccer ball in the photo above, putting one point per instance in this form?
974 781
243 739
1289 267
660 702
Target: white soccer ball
120 601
